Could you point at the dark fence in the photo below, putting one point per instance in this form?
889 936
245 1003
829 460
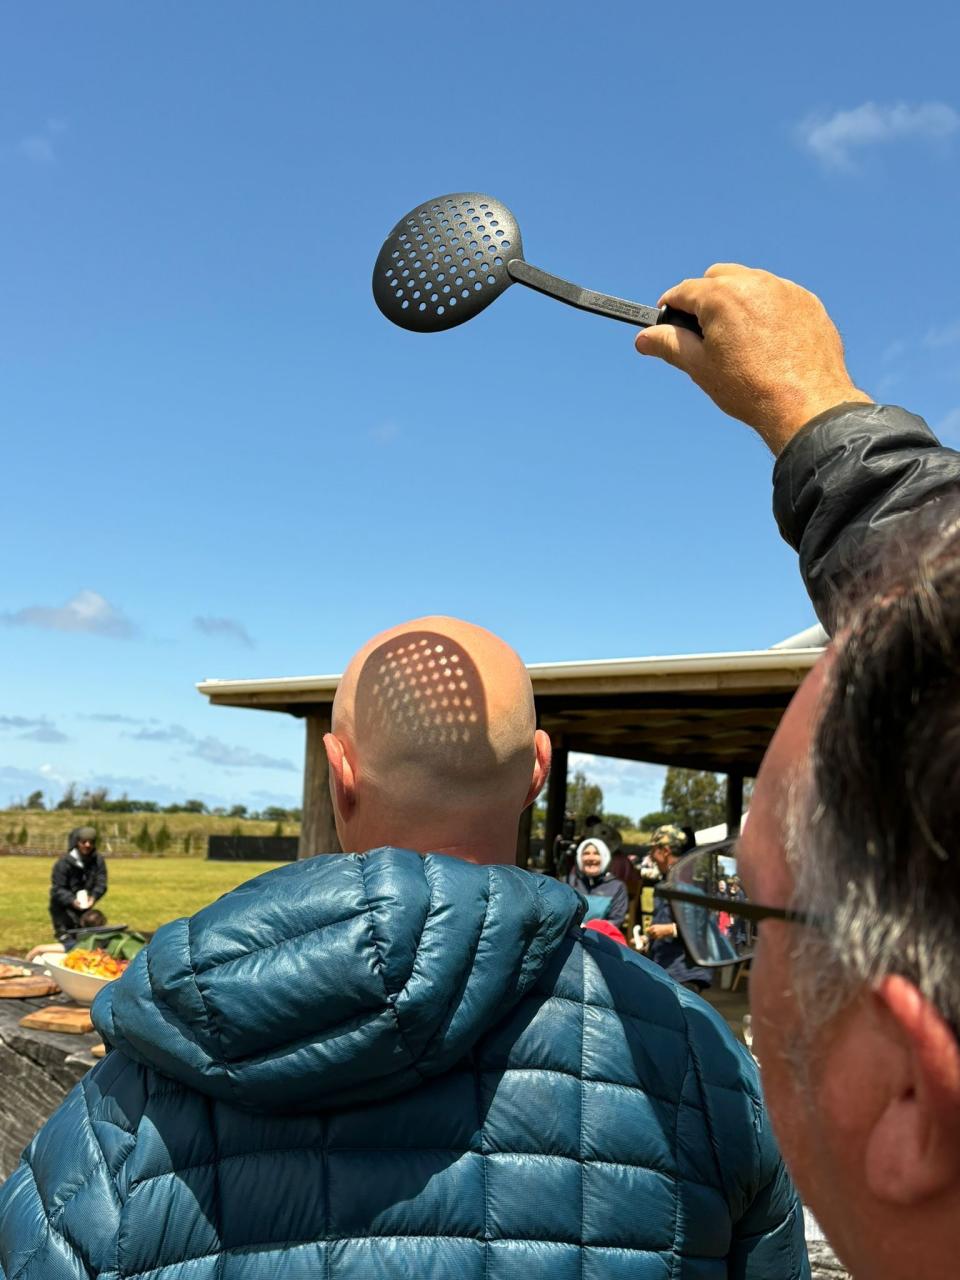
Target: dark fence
252 848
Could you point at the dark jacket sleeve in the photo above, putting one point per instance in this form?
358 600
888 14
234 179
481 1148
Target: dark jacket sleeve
59 890
100 879
846 482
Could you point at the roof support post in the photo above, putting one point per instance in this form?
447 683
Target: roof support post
318 834
556 805
734 803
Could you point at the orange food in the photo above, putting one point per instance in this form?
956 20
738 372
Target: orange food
95 963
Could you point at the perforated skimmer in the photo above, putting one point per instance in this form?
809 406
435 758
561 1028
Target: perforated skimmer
449 258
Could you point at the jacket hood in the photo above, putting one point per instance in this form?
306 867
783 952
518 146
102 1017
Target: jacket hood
339 979
601 847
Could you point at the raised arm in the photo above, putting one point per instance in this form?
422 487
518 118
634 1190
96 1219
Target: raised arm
849 473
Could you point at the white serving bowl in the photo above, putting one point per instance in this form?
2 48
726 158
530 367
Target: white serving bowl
81 987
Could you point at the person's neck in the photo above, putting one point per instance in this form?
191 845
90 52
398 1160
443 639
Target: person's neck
483 848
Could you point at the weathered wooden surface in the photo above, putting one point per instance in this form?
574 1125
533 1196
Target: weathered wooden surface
37 1071
23 988
71 1020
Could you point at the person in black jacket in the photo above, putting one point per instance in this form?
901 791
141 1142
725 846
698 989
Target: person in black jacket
79 879
855 818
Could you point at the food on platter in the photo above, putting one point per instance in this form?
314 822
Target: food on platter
96 964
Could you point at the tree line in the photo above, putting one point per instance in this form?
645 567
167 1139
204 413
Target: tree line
99 800
690 798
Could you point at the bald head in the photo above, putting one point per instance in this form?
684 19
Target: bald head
435 721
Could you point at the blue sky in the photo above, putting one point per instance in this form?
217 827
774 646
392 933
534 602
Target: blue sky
220 460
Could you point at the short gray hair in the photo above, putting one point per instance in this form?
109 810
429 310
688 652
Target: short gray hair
874 836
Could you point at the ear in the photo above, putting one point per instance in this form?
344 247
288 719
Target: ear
541 766
913 1149
343 784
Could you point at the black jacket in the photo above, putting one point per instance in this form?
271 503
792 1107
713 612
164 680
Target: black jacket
73 872
846 482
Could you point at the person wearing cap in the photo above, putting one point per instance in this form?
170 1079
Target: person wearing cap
666 948
591 876
79 880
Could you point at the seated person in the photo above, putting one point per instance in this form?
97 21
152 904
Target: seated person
89 920
591 876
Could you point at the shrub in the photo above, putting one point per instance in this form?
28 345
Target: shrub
144 840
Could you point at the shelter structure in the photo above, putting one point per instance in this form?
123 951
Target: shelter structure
715 711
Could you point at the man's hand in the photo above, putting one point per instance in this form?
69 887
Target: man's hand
657 931
770 355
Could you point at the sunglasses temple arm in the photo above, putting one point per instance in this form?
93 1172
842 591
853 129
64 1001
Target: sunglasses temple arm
601 304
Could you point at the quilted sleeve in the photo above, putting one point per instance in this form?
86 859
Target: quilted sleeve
99 889
60 1209
768 1240
846 482
59 890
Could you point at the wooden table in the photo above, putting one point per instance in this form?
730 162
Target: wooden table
37 1070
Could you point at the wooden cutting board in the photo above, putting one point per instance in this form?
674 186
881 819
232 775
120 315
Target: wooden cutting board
22 988
70 1019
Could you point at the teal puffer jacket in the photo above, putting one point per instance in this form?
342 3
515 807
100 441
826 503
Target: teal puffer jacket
383 1065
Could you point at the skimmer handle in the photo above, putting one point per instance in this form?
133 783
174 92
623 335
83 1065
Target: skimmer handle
601 304
681 319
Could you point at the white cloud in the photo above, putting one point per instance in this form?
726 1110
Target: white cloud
45 733
88 613
212 750
628 786
112 717
163 733
228 627
34 730
221 753
834 139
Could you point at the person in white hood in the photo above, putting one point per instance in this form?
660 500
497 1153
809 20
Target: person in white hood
591 876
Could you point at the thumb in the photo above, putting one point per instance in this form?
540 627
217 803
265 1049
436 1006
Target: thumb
678 347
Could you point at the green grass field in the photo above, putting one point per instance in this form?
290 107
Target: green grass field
144 893
187 832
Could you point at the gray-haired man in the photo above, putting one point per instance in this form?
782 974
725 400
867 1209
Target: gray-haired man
856 812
